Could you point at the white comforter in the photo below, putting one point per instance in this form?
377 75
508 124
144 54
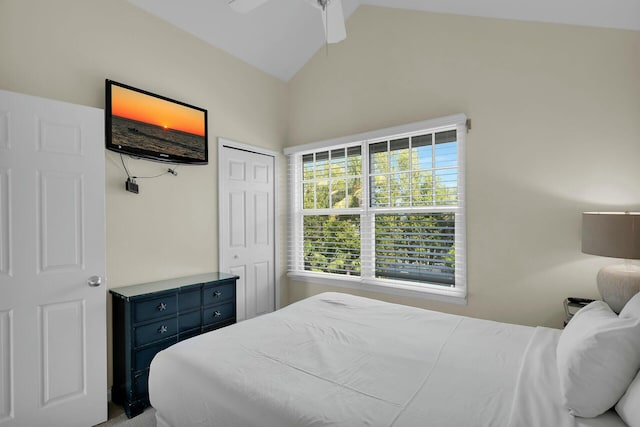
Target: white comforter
340 360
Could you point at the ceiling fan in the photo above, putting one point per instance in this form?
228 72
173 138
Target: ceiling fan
332 16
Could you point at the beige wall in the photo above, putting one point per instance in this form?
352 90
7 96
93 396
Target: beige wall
65 49
556 130
555 112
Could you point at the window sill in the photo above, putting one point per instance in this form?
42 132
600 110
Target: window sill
448 295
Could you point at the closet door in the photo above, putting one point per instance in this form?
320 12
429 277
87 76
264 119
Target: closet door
247 227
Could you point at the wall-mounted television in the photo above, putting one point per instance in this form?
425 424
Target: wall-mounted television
143 124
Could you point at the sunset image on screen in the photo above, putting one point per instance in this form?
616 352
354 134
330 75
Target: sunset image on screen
157 128
147 109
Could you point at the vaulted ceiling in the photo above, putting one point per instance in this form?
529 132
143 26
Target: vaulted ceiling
280 36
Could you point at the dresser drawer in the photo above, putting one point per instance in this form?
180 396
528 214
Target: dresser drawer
220 293
155 308
220 313
155 331
189 321
142 358
189 299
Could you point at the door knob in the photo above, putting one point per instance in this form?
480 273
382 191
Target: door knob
94 281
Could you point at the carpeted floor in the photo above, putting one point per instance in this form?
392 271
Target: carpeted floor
117 418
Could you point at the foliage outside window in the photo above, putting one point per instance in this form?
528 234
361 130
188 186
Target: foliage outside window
386 211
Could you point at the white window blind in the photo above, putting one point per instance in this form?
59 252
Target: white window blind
383 210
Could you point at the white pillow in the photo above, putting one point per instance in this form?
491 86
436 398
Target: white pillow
629 406
598 356
631 309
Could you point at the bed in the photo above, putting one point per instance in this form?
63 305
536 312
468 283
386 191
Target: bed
340 360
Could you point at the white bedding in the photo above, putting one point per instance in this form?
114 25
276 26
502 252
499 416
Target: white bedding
339 360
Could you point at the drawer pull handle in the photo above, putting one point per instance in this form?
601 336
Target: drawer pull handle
217 294
163 329
217 314
162 306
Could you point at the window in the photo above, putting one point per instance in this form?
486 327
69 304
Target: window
382 211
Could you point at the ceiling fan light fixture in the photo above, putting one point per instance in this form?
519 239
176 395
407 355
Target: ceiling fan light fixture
323 4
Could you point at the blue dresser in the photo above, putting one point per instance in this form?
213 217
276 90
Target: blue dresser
152 316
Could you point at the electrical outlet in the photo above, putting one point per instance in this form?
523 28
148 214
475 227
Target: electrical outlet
131 186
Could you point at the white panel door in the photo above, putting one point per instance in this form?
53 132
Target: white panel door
247 228
52 322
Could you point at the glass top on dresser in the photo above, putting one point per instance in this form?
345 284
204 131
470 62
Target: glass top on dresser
164 285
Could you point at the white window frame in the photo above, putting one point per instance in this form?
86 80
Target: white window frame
366 281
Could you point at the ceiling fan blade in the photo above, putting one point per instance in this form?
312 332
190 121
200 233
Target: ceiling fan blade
244 6
333 20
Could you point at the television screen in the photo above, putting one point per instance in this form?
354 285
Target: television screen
150 126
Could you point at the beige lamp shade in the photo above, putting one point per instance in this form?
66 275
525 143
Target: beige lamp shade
611 234
616 235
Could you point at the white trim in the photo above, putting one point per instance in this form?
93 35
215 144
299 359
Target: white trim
449 295
243 146
461 213
457 294
432 124
222 142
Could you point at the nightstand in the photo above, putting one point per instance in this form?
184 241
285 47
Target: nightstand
572 305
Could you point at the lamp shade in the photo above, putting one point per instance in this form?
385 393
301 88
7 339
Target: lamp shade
611 234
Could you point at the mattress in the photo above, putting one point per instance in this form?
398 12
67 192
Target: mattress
339 360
